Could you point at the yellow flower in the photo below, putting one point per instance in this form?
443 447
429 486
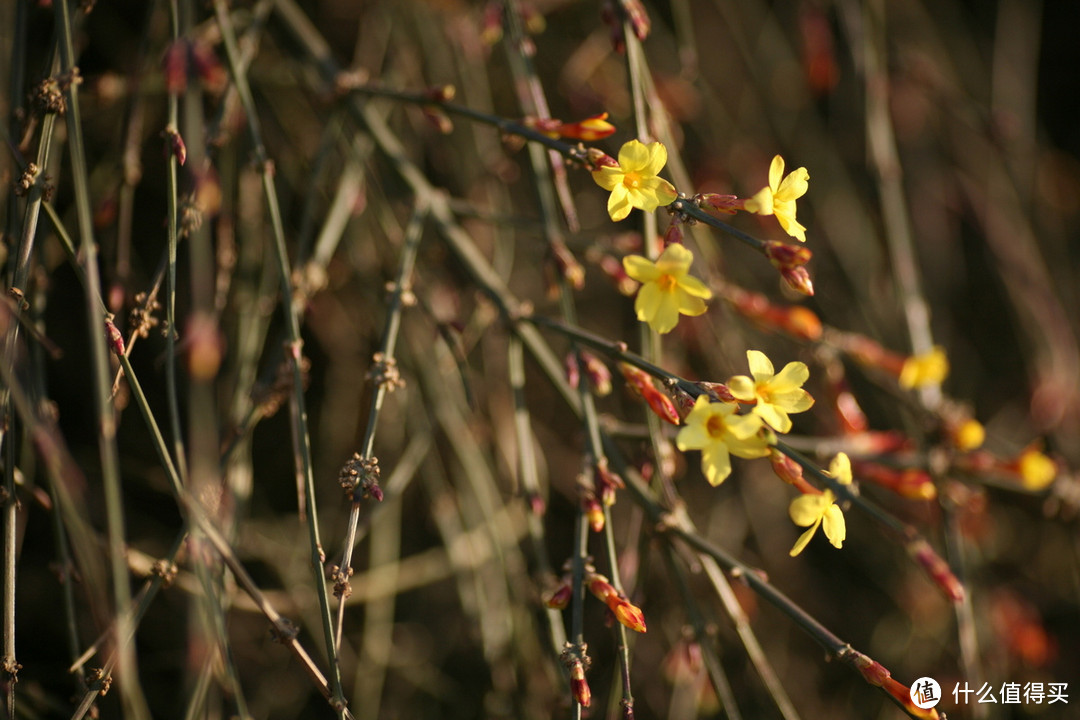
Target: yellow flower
666 288
930 368
776 395
1036 470
822 510
634 183
718 432
779 198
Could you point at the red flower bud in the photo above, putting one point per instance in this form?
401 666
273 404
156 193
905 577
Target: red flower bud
579 687
729 204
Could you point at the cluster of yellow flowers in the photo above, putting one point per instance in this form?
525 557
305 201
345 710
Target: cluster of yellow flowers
667 288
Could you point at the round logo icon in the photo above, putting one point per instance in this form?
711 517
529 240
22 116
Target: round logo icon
925 693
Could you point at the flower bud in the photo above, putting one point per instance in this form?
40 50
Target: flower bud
559 599
579 687
115 338
798 279
590 129
938 570
729 204
594 511
598 373
911 483
641 383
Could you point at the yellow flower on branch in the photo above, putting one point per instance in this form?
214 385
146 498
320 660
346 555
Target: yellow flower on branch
634 182
775 395
719 432
779 197
930 368
667 288
816 511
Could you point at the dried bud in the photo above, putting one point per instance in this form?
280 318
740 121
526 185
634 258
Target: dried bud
638 17
205 347
359 477
438 119
610 17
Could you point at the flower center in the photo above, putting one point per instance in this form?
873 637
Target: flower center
667 283
715 426
631 180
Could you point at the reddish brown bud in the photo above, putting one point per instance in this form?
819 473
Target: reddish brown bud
492 26
598 373
114 337
614 269
791 472
798 279
559 599
674 234
573 375
607 482
729 204
438 119
590 129
441 93
911 483
785 255
594 511
579 687
938 570
718 391
176 144
641 383
872 671
568 266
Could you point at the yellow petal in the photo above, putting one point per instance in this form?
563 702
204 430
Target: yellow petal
791 377
790 226
640 268
657 159
760 365
743 388
741 427
689 304
776 171
808 509
803 541
776 418
761 203
834 526
608 177
658 191
794 186
716 462
656 307
692 436
675 260
619 203
840 468
755 446
633 157
692 286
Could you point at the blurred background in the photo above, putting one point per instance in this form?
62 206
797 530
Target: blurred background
943 208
